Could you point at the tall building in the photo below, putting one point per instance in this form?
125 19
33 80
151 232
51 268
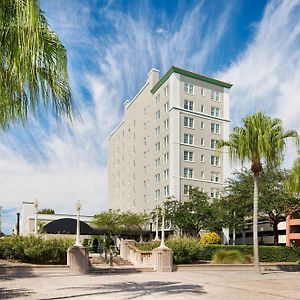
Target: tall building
167 141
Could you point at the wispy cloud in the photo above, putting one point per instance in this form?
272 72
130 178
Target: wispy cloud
109 58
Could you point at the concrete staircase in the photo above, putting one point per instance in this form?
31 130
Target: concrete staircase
99 265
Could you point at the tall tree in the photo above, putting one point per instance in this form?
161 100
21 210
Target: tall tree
33 64
191 216
293 181
235 208
260 140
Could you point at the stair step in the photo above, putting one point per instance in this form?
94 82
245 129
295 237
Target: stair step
119 270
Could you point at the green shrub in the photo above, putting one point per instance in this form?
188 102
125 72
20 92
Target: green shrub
34 249
222 256
147 246
266 253
185 249
210 238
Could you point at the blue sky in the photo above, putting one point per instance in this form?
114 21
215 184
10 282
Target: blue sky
111 47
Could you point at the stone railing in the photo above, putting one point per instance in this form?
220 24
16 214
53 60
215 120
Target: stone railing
160 259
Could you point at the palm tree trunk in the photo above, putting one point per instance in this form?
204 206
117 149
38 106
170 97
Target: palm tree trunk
255 224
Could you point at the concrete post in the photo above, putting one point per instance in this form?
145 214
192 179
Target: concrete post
78 259
162 259
288 231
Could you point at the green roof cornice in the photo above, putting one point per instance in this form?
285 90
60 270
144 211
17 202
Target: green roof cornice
191 75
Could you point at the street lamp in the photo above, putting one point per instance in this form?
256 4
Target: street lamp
36 204
78 207
156 224
162 242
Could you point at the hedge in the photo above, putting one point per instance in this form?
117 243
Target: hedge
189 250
33 249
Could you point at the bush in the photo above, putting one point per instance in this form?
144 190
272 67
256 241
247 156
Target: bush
210 238
35 249
222 256
147 246
266 253
185 249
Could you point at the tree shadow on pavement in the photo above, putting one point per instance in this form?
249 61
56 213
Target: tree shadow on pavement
14 293
135 290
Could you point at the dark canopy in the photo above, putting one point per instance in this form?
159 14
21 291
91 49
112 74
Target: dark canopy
68 226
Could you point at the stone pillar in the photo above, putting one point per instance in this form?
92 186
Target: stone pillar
162 259
78 259
124 250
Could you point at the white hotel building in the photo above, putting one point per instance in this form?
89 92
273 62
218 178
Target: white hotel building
166 142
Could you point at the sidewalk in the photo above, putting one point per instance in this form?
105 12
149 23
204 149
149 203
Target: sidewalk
57 283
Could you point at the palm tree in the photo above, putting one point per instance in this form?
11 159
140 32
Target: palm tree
293 180
33 64
260 140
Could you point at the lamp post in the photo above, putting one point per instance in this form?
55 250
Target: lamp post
156 224
36 204
78 207
162 242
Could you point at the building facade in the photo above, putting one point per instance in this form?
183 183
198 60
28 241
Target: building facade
167 141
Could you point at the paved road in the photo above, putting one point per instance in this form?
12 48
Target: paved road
59 284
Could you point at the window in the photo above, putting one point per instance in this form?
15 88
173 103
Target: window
188 173
166 157
157 115
202 108
202 158
166 191
213 144
214 193
145 184
166 140
188 156
186 189
202 142
202 92
145 155
188 139
202 125
189 88
166 107
166 124
157 162
157 177
145 111
145 170
215 96
157 131
166 174
215 128
157 147
157 100
157 193
188 122
202 175
215 160
166 91
215 111
189 105
215 177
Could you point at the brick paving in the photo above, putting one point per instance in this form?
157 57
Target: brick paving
58 283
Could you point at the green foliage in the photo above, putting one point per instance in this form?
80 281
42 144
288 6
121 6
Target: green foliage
293 181
191 216
235 208
46 211
147 246
222 256
33 64
266 253
117 222
185 249
35 249
210 238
